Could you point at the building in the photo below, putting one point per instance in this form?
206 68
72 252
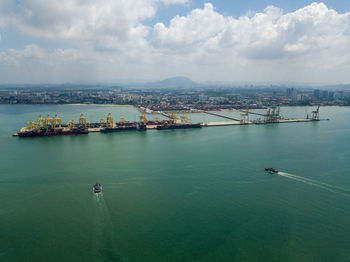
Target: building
292 93
317 93
325 94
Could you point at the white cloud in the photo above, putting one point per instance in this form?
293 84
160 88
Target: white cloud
106 23
109 40
266 35
187 33
35 54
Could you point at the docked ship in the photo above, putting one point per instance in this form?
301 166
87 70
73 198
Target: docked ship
178 126
175 123
52 127
52 132
125 127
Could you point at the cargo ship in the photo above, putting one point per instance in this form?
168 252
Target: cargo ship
125 127
53 127
178 126
52 132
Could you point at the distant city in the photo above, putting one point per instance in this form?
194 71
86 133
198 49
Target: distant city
178 99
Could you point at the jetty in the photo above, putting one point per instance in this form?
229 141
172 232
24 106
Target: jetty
53 126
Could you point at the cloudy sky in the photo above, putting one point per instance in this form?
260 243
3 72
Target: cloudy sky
58 41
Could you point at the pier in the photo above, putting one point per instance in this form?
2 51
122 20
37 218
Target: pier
52 126
259 122
164 114
253 113
227 117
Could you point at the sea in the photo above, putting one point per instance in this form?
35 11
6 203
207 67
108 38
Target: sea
176 195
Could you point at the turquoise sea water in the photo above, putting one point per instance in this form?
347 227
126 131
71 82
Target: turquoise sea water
178 195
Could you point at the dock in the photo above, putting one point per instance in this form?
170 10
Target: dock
259 122
223 116
253 113
164 114
55 127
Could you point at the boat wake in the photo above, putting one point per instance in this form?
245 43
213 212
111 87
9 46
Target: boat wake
102 225
315 183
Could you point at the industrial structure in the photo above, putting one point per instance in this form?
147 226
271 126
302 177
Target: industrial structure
245 117
53 126
316 114
50 127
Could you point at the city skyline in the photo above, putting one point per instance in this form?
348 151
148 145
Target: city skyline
252 41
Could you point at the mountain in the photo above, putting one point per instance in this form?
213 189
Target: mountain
174 82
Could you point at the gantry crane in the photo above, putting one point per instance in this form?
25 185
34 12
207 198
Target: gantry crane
56 121
272 115
82 120
143 119
102 122
278 112
32 125
316 114
173 117
267 115
71 124
48 122
109 121
41 120
184 118
245 117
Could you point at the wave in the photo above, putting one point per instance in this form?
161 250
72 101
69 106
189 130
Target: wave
319 184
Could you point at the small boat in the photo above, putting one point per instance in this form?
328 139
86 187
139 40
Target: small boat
97 188
271 170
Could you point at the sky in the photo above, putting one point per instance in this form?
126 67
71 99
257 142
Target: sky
61 41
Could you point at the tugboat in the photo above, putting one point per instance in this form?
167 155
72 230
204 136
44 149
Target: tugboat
97 188
271 170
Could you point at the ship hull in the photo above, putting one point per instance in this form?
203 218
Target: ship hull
121 129
179 126
29 134
271 170
97 191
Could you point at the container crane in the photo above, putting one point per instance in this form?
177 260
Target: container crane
143 119
56 121
82 120
184 118
316 114
173 117
109 121
277 115
41 120
267 115
102 122
272 115
245 117
48 122
71 124
32 125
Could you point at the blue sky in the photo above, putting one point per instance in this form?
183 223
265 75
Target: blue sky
237 8
72 40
